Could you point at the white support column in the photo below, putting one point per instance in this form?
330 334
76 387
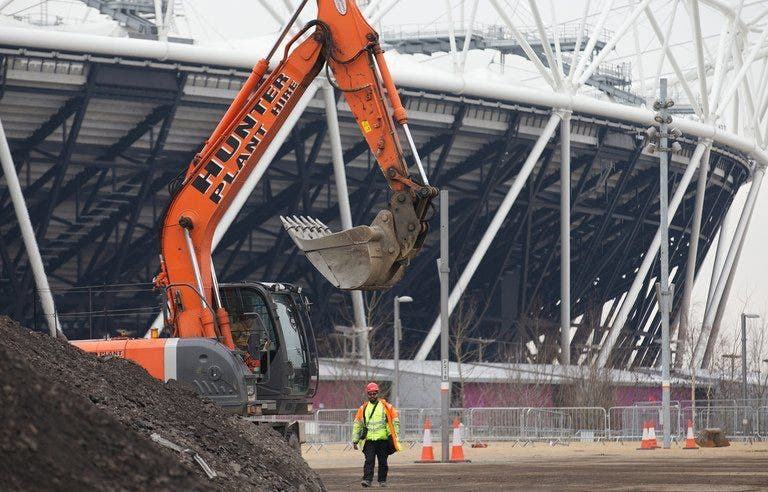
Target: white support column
650 255
452 36
556 37
592 42
701 69
577 47
664 47
383 11
28 236
720 67
717 265
685 307
291 9
524 44
717 79
554 68
273 12
372 7
162 35
724 301
169 19
565 240
267 5
720 296
762 100
720 62
742 73
748 96
493 228
608 48
345 211
639 61
468 35
673 61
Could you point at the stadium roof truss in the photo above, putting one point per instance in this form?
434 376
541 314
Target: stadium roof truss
555 182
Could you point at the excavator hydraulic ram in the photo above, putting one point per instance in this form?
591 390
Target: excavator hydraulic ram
367 257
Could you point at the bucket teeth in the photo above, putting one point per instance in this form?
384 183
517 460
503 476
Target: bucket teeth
363 257
305 227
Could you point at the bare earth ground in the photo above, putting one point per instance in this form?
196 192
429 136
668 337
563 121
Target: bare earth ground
592 466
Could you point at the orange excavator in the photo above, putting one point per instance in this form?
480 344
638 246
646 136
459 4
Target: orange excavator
249 346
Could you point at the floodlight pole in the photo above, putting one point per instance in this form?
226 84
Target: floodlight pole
664 291
565 240
744 316
398 335
444 270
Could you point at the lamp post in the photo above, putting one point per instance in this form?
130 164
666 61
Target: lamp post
744 316
658 140
398 335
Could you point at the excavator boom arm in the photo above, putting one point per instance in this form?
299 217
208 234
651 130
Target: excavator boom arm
343 39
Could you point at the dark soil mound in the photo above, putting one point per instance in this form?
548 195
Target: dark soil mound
70 420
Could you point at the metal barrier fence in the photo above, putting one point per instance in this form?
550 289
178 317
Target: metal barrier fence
584 424
761 416
412 421
536 423
737 422
626 423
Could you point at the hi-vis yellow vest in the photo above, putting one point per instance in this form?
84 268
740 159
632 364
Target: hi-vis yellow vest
390 427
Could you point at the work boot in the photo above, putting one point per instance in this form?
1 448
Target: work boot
383 484
365 483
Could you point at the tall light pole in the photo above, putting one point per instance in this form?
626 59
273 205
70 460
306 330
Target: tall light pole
744 316
659 140
397 337
444 270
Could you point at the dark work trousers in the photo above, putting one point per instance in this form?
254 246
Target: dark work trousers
380 451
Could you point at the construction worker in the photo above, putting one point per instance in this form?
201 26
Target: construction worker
377 425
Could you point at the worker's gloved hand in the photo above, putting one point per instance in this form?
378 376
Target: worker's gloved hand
354 445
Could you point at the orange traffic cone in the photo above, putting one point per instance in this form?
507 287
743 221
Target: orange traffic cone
645 442
427 453
457 451
690 441
652 436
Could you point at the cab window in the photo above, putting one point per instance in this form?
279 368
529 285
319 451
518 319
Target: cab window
295 345
243 305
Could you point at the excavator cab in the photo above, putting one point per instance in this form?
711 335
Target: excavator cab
270 326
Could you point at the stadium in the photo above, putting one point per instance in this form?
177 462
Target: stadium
549 127
101 127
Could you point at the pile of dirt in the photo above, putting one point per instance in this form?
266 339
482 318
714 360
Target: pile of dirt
71 420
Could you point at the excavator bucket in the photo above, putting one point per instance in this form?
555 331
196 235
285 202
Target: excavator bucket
360 258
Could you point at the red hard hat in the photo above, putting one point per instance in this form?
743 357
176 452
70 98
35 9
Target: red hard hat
371 387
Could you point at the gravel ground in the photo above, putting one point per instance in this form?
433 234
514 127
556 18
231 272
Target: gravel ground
573 468
71 420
